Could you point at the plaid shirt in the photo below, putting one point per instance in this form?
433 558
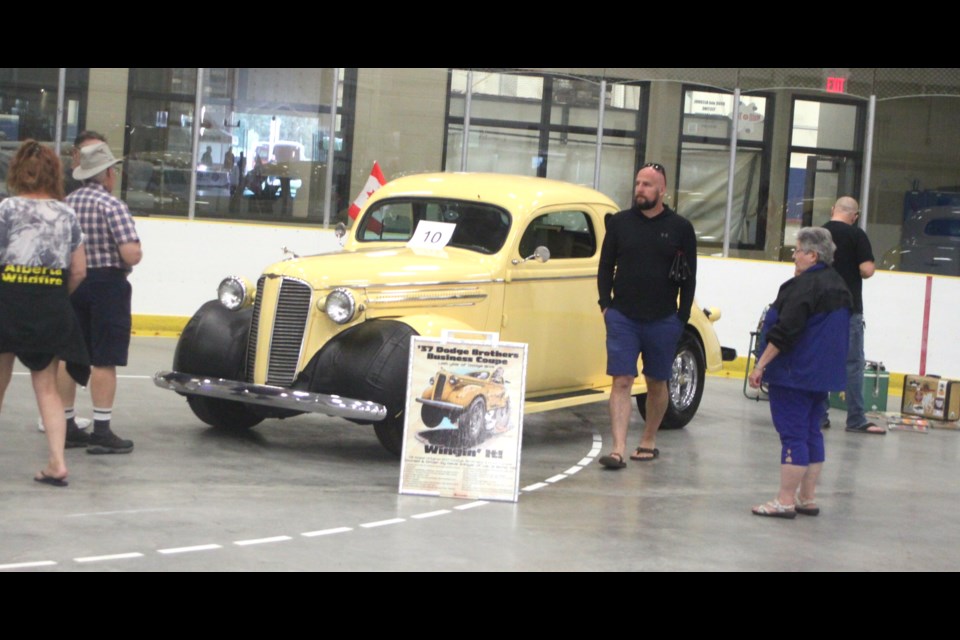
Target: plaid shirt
106 223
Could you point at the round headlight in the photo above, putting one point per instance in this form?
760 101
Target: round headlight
340 306
234 293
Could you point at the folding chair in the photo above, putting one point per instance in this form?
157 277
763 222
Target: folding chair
753 354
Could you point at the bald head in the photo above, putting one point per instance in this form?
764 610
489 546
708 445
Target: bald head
649 188
845 209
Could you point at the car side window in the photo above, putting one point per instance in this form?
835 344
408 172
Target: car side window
567 234
943 227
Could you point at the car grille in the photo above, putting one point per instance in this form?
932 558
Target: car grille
290 321
438 390
254 327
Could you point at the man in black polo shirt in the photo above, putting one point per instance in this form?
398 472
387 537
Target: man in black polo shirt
853 260
648 259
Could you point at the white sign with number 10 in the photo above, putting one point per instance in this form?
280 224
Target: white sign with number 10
431 235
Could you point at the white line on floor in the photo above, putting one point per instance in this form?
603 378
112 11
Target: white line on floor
431 514
471 505
115 556
243 543
326 532
381 523
199 547
27 565
535 486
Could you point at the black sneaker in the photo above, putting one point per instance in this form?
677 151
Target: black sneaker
108 442
76 438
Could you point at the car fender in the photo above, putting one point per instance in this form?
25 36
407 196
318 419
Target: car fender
214 342
434 326
368 361
708 339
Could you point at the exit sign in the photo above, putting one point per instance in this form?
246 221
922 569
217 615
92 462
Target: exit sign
836 84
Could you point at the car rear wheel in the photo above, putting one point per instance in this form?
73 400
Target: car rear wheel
685 386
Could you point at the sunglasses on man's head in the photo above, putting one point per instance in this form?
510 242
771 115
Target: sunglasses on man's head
656 166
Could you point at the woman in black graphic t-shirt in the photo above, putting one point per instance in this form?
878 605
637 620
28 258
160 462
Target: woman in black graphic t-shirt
41 261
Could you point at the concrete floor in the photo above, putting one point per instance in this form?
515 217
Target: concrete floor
313 493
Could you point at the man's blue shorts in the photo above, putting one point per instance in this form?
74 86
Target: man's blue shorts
102 305
655 339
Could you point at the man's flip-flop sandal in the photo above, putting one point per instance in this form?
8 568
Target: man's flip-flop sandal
642 454
879 431
612 461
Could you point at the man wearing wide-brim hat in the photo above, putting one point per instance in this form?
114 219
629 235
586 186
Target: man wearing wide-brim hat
102 301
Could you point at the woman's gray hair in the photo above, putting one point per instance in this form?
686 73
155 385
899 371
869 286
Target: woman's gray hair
817 239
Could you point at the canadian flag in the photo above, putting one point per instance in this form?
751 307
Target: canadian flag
374 182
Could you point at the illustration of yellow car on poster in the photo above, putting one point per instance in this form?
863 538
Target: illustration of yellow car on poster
464 418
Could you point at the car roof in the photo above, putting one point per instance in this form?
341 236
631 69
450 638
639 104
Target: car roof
512 192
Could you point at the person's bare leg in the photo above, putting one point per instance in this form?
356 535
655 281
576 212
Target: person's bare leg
103 387
808 484
51 411
6 372
66 386
621 407
658 397
791 476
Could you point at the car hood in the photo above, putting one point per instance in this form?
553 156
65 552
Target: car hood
390 266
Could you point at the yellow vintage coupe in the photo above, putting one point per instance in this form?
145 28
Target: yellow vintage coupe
331 333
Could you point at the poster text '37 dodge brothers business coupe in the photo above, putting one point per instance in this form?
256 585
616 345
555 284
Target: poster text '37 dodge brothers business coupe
331 333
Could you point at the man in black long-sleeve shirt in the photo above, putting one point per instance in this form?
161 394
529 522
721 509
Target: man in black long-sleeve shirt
640 280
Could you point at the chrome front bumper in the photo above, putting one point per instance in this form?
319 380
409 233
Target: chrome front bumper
270 396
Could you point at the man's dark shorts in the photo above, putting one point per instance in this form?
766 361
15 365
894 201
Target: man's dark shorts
102 304
655 339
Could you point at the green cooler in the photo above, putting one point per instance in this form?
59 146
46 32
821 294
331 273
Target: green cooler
876 382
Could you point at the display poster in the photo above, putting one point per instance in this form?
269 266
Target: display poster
464 417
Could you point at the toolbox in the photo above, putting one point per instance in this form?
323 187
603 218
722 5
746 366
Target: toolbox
876 385
931 397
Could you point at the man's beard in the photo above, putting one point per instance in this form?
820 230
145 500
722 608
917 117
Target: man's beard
645 205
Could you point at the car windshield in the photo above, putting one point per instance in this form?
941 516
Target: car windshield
479 227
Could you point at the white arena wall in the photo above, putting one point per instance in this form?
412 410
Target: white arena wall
184 262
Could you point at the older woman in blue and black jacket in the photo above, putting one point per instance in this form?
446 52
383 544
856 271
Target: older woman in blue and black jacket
803 358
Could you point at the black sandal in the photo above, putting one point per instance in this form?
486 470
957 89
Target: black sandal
613 461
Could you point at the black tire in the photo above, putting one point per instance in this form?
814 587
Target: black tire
431 416
223 414
685 386
214 343
369 361
472 422
390 433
